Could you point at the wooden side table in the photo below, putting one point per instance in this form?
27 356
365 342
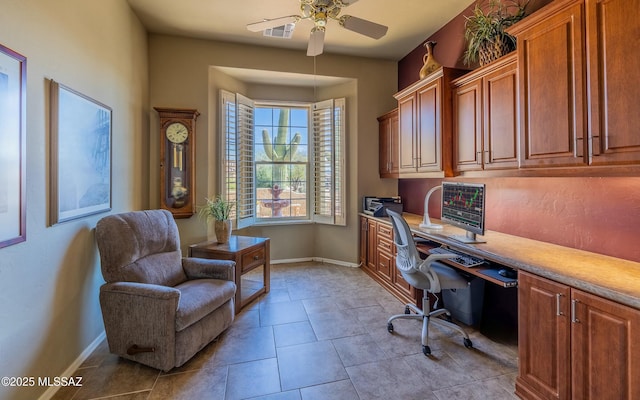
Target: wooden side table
248 252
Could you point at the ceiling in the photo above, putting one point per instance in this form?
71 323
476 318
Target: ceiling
410 22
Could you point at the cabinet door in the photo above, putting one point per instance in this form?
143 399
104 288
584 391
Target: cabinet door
407 133
467 126
606 350
388 144
363 241
429 133
500 117
372 253
613 29
552 89
394 145
543 338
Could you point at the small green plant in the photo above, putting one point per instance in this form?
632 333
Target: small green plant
218 209
484 29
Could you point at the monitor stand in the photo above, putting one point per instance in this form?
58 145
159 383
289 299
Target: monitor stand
470 237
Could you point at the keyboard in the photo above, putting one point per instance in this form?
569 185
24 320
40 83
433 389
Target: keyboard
462 259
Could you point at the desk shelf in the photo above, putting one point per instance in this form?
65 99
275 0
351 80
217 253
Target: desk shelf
479 271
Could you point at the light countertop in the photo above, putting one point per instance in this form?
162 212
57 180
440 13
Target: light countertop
609 277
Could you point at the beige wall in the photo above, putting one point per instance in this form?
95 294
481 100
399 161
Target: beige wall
49 311
181 76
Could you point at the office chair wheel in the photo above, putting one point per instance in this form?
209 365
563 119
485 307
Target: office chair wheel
426 350
467 343
407 310
390 327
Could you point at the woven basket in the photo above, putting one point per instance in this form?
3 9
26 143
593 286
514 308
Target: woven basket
491 51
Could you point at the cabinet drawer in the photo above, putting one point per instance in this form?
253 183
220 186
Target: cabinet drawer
253 259
385 245
385 231
385 265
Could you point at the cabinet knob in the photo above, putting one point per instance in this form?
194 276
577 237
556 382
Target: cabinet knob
256 257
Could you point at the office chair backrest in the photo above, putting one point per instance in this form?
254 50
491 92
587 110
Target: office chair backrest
408 258
416 271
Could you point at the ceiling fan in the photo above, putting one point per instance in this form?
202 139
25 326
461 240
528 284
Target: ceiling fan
320 11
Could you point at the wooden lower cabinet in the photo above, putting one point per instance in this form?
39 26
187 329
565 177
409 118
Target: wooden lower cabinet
385 252
575 345
363 243
372 256
376 241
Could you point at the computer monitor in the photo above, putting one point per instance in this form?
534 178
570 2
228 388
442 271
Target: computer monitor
463 206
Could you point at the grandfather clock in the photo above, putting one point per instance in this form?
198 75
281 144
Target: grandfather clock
177 160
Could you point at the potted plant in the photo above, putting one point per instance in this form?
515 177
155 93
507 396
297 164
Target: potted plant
219 210
484 30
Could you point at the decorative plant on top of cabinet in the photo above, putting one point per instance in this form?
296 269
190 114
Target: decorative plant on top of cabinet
485 30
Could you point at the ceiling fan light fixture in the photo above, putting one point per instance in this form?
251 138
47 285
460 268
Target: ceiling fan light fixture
319 11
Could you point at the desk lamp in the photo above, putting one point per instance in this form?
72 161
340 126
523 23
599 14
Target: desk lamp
426 222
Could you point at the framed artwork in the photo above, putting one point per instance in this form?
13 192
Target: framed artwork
13 77
80 155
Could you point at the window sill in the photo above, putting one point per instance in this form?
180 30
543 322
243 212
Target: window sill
284 222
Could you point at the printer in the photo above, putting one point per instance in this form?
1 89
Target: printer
377 206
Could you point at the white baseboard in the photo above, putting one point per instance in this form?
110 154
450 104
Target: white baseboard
48 394
316 259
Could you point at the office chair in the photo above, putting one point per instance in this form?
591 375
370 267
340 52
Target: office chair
429 275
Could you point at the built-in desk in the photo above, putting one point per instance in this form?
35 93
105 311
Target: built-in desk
578 313
609 277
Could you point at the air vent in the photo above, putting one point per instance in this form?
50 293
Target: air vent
283 31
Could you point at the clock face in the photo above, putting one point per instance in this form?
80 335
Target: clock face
177 132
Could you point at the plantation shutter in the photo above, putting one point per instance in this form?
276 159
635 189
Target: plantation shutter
246 203
328 161
237 157
339 172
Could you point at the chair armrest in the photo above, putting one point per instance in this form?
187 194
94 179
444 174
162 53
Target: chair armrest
141 290
203 268
141 316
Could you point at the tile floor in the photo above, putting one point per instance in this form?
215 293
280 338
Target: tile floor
319 334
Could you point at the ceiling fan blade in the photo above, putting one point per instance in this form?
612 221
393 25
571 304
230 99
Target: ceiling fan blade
316 42
348 2
272 23
363 27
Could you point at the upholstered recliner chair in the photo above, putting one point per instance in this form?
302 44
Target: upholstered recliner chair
159 309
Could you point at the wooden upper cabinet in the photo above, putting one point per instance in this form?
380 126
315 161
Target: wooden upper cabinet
429 134
425 126
613 37
407 133
388 144
467 125
551 63
500 113
485 123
